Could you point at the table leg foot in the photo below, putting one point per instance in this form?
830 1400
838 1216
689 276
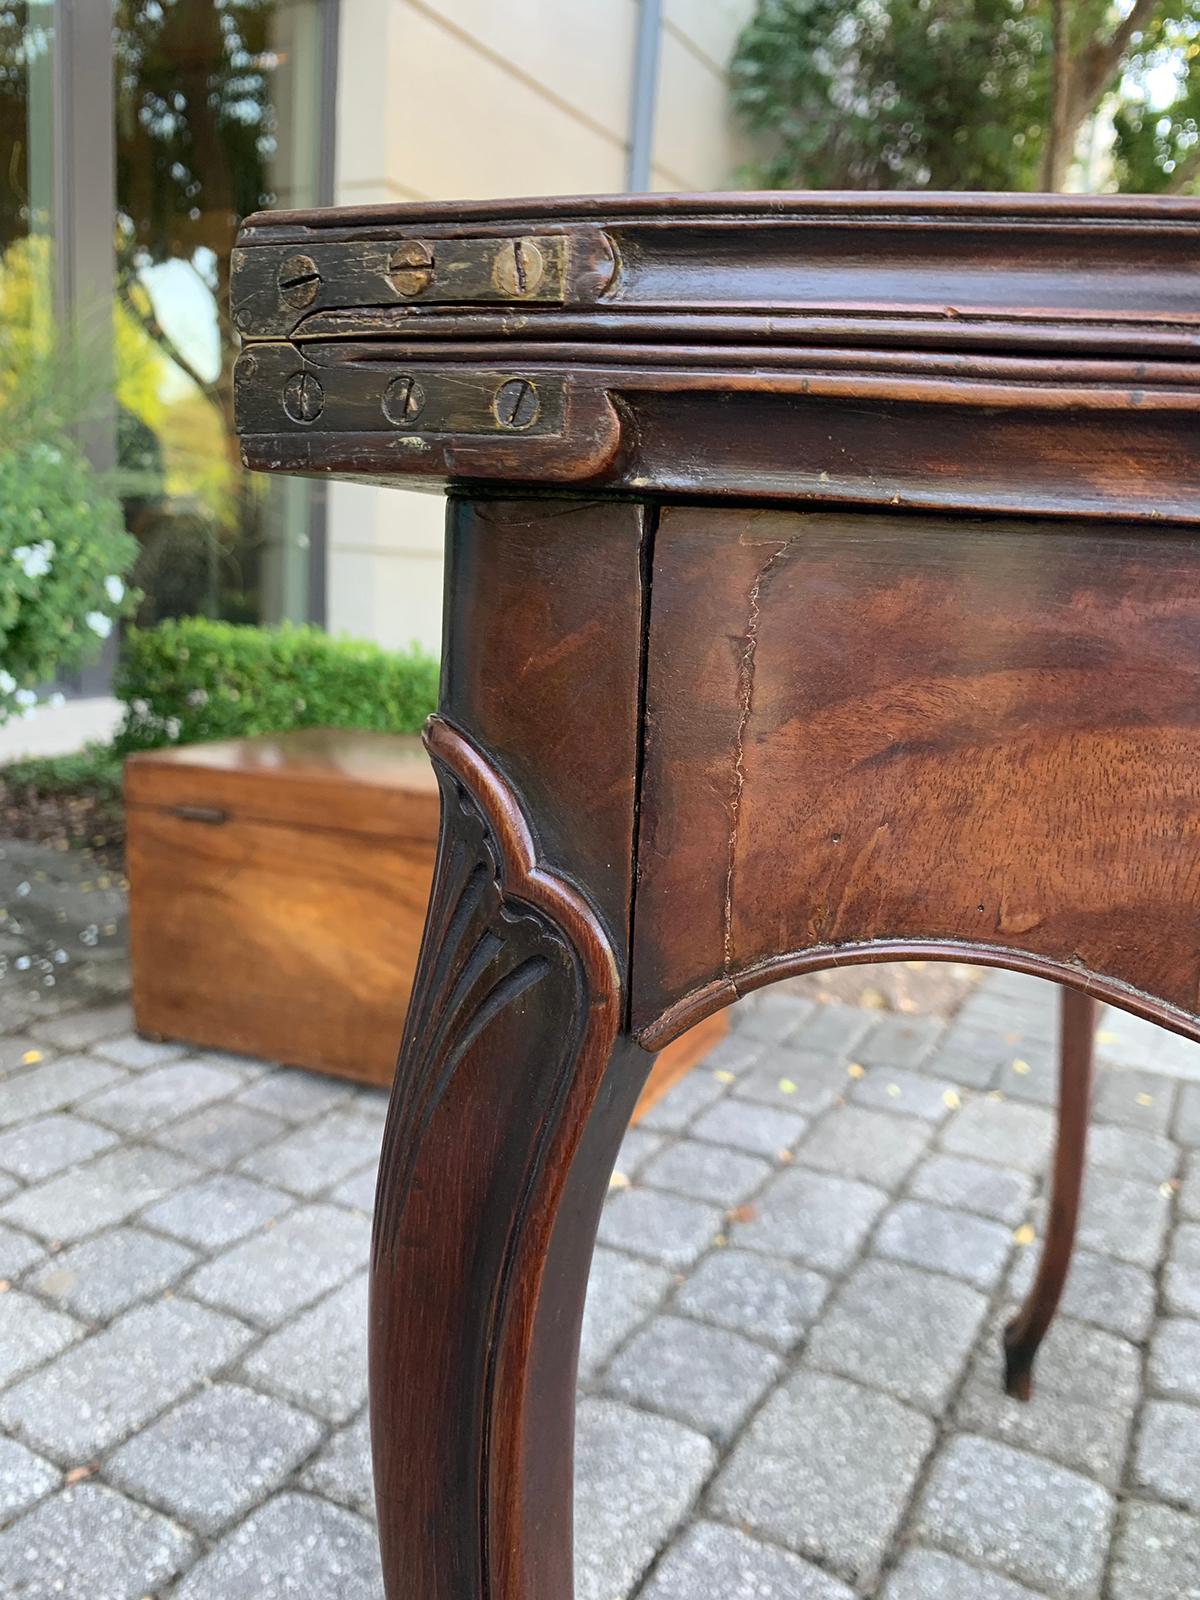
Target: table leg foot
1028 1328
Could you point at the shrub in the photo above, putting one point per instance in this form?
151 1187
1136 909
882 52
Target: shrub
193 679
64 553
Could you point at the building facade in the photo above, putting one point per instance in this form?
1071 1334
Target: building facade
135 133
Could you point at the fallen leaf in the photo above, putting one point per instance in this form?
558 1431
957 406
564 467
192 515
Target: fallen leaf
1025 1234
856 1071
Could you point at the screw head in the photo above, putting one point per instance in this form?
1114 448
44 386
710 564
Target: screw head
516 404
519 267
411 267
403 401
299 281
303 397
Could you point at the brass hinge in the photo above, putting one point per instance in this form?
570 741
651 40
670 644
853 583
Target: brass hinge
276 288
277 390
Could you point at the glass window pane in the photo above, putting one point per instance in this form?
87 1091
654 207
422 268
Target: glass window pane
218 114
26 193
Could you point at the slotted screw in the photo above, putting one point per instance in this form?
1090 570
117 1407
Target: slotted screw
516 403
303 397
411 267
519 267
299 281
403 401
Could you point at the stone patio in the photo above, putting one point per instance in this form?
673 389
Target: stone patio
790 1384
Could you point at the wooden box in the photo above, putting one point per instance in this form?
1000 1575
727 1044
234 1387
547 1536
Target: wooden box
278 888
277 892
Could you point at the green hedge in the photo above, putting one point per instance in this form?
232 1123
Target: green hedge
194 679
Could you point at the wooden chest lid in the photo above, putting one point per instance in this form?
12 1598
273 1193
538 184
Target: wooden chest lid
380 784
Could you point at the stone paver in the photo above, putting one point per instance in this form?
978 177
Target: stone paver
1003 1132
107 1190
636 1478
54 1086
1166 1461
706 1377
31 1334
220 1134
320 1359
706 1172
869 1145
1157 1554
319 1155
826 1469
933 1575
295 1546
711 1559
819 1220
342 1471
1018 1513
90 1540
106 1275
622 1292
145 1102
1112 1294
791 1360
39 1149
900 1330
1173 1369
798 1081
217 1211
945 1241
24 1478
665 1227
768 1300
104 1388
762 1130
283 1269
966 1185
215 1456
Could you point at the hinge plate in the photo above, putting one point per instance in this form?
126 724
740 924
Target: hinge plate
276 288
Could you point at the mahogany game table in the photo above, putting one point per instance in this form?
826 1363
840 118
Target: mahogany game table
822 586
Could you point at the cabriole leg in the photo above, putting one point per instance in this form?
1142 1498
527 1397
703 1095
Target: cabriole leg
514 1087
1077 1032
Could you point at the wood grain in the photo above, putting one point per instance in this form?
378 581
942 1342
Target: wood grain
884 733
276 901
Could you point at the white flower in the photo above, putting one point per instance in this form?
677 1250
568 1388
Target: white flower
57 699
171 727
7 682
140 707
34 559
197 697
115 590
26 697
99 623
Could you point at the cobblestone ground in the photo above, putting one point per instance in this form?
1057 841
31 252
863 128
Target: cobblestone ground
790 1383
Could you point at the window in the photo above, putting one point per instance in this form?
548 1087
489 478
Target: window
218 113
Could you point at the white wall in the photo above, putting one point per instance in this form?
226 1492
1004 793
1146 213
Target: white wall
471 99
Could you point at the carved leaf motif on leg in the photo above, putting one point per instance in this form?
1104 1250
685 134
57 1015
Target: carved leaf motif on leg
512 1062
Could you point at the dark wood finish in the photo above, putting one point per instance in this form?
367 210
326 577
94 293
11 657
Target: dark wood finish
925 733
277 891
871 630
1077 1035
878 355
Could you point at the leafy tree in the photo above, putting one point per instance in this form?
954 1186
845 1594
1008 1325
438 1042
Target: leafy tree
971 94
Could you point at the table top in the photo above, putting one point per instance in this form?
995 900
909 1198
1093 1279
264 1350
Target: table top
710 343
